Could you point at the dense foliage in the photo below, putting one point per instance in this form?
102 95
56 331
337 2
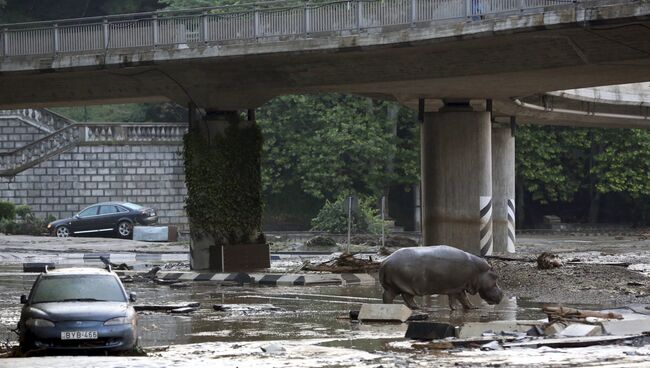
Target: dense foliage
333 218
223 184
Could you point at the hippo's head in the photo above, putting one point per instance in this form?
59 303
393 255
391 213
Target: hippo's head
488 288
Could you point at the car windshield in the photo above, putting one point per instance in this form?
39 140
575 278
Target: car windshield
132 206
78 288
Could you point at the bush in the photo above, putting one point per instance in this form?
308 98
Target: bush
24 212
7 210
333 218
28 224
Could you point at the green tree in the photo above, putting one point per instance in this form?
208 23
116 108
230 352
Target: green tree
332 144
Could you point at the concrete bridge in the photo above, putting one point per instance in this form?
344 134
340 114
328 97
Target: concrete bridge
471 68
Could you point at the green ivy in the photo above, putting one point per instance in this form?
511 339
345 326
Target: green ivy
224 184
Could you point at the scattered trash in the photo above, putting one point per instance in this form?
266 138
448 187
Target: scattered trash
344 263
115 266
548 260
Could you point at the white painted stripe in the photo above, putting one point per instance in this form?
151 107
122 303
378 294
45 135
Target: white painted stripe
511 226
485 243
188 276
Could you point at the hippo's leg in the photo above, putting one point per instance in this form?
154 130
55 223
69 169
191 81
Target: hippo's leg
388 296
408 300
462 298
452 299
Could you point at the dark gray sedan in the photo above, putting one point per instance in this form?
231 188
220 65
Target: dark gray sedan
77 309
104 218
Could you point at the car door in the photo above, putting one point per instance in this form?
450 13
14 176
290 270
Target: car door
85 221
108 216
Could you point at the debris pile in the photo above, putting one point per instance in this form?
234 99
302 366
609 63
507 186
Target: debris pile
344 263
548 260
566 327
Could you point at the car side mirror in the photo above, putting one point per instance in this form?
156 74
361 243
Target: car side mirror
76 216
133 297
23 299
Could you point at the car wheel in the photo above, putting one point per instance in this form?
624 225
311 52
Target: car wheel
62 232
125 229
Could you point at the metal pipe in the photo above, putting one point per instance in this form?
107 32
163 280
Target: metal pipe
578 112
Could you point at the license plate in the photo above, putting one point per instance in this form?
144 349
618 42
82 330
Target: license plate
78 335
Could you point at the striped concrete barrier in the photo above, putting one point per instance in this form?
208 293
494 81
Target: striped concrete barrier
271 279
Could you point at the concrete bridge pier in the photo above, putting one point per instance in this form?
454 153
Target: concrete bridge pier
222 153
456 174
503 187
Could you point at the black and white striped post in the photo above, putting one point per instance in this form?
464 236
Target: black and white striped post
503 187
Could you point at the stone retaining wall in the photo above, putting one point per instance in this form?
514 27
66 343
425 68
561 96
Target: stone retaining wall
149 175
15 134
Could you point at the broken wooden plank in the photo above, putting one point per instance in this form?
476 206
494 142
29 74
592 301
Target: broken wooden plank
165 307
183 310
565 312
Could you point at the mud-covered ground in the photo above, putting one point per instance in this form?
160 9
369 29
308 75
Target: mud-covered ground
598 271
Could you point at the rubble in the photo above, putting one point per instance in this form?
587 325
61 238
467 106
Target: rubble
474 329
344 263
548 260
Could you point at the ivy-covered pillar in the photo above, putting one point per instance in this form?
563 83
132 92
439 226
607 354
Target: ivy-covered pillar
224 200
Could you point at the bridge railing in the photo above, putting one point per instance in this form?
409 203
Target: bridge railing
247 22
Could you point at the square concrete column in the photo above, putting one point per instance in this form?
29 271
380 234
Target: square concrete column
456 166
224 203
503 188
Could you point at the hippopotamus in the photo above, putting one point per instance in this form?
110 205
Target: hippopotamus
438 269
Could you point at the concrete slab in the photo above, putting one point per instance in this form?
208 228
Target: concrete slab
384 312
154 233
581 330
626 327
476 329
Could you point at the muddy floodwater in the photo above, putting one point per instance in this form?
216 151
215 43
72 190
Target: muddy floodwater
309 326
257 313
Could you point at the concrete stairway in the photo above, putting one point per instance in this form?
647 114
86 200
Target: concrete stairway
63 135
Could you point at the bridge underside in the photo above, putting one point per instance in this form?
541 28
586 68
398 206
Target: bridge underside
476 61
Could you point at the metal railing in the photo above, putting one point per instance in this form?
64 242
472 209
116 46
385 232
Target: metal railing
243 22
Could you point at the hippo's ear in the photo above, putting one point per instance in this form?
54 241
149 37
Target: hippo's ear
484 266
